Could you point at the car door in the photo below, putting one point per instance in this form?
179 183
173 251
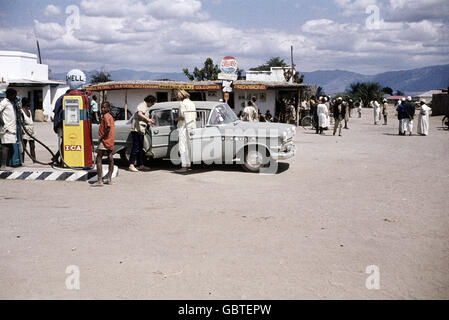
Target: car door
160 132
206 141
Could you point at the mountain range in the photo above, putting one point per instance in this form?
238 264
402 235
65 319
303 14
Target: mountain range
332 81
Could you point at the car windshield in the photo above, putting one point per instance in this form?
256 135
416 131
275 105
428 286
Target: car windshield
222 114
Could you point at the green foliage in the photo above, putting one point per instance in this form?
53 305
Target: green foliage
320 92
365 91
387 90
399 93
100 77
273 62
209 71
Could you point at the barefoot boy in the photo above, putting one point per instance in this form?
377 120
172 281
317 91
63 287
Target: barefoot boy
106 143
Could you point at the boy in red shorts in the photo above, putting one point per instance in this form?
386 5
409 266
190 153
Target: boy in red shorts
106 133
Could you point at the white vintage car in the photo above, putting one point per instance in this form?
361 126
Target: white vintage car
220 137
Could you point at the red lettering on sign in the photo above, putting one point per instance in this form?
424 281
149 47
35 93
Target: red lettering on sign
73 148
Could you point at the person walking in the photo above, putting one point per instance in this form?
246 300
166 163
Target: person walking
106 133
359 108
323 115
423 119
410 110
339 112
385 111
186 121
8 126
28 131
139 126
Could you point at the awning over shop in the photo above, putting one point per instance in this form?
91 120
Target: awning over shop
18 83
193 86
158 85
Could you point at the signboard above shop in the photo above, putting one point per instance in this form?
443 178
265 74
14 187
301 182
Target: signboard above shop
228 67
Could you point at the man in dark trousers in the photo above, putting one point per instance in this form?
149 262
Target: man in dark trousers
410 111
339 114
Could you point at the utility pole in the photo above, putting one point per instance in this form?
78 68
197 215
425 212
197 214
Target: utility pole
37 40
293 65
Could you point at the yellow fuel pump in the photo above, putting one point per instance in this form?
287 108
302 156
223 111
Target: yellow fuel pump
76 127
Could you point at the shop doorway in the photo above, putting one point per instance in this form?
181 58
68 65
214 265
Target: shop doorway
162 96
38 100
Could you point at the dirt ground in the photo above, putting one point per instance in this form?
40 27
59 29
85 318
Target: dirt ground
345 203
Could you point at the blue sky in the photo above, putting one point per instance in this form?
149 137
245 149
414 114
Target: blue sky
160 35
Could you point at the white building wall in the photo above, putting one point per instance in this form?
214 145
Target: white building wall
21 65
269 103
275 75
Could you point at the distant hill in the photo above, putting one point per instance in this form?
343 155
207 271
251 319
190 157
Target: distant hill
407 81
333 81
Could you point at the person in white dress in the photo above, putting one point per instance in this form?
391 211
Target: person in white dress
28 131
323 115
423 119
376 107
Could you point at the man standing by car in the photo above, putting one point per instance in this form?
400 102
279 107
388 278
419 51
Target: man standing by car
139 126
186 121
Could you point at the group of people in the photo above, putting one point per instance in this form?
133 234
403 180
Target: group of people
379 111
406 110
8 126
324 109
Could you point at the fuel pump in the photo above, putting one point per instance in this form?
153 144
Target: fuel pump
77 150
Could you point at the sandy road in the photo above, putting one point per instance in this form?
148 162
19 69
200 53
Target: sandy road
309 232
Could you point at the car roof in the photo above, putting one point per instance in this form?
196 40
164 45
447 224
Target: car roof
175 104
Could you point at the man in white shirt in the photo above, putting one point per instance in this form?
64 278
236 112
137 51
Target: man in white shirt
250 113
186 121
8 125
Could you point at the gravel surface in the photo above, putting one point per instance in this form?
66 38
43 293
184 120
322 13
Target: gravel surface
310 232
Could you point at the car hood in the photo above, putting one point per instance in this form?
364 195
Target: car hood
260 129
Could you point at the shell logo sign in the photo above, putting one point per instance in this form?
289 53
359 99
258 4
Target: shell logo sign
229 65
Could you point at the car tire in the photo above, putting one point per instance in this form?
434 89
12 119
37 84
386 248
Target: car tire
255 159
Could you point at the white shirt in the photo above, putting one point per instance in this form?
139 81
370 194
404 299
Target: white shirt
189 117
8 116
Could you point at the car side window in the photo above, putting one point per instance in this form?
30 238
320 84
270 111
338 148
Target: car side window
163 118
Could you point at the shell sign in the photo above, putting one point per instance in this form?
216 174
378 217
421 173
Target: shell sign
229 65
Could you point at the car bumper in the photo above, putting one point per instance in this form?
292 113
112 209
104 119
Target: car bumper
284 155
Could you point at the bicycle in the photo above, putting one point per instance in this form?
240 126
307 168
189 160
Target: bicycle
307 121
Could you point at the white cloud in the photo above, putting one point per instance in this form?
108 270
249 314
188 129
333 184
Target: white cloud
418 10
52 10
144 35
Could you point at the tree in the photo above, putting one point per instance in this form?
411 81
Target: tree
100 76
387 90
365 91
399 93
209 71
320 92
273 62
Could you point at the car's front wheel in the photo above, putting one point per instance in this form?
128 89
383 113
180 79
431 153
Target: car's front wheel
255 159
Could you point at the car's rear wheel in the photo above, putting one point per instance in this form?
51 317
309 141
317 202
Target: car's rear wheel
255 159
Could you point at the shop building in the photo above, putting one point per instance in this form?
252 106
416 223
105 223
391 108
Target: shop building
24 74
